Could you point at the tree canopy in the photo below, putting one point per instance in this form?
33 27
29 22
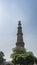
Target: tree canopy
21 56
1 57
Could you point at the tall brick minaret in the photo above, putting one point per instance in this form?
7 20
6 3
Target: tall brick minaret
19 36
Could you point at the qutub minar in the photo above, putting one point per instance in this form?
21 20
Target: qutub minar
19 36
20 55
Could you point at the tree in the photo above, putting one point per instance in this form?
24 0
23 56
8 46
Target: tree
16 53
1 57
31 59
21 56
27 59
19 50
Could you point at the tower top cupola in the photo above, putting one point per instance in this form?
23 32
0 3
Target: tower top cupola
19 23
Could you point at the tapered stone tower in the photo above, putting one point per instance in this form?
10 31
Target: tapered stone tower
19 36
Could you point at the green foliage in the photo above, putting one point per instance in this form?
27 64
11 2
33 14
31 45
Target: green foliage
19 50
1 57
24 59
21 56
1 54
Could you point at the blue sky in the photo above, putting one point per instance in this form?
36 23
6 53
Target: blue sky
11 11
